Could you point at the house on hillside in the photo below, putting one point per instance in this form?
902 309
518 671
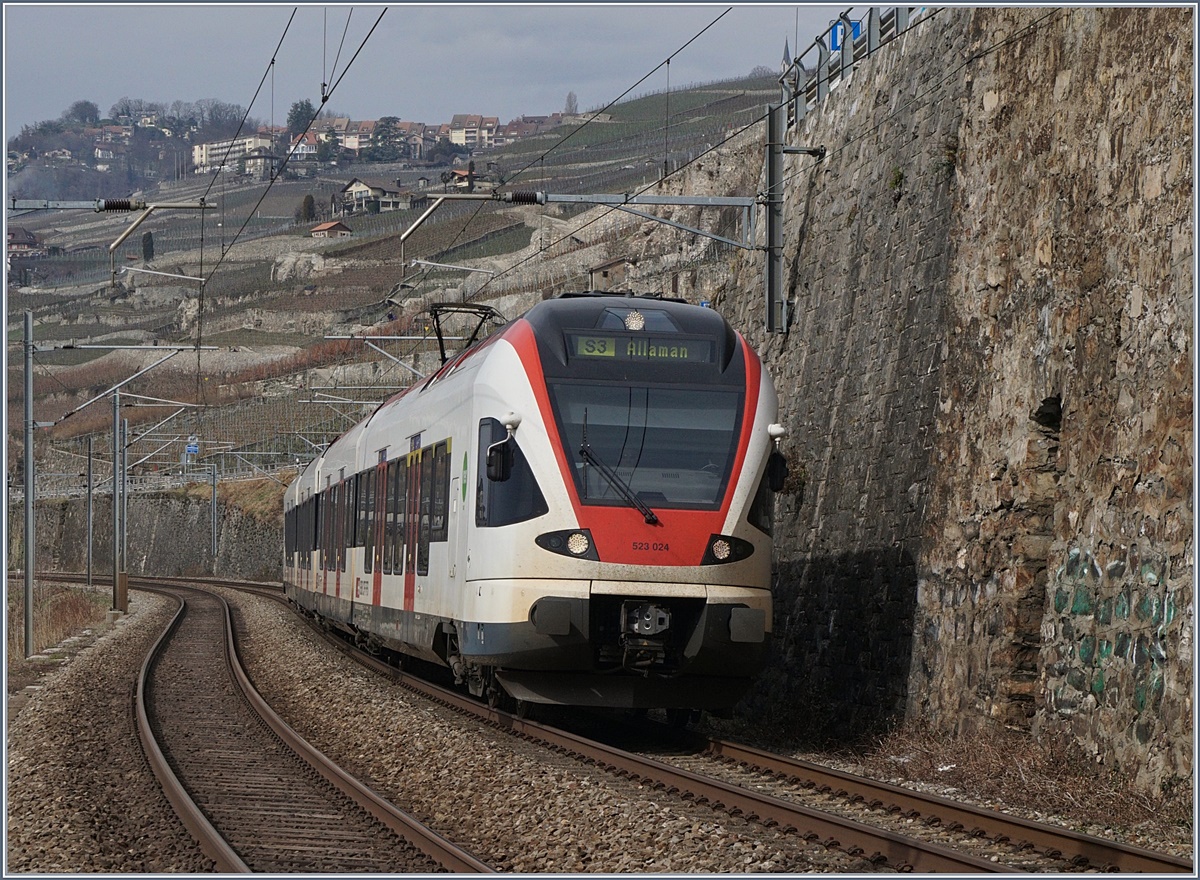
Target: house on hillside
332 229
23 243
334 128
225 154
473 131
359 136
610 275
304 147
417 137
261 163
372 196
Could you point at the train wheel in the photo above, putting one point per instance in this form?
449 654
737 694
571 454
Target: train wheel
524 709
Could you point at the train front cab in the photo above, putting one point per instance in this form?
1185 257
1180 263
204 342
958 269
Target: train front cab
654 588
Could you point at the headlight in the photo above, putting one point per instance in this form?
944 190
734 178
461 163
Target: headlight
725 548
576 543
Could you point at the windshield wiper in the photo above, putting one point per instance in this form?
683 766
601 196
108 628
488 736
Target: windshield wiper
614 479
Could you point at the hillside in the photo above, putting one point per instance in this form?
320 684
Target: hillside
272 293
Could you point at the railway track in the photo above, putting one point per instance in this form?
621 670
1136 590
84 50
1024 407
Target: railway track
251 791
1036 845
880 846
895 827
1078 851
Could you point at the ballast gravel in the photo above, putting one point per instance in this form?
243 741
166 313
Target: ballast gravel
82 799
80 796
515 805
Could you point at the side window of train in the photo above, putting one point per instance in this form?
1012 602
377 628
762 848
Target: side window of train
424 522
351 510
439 529
368 521
345 518
304 532
762 509
323 512
360 528
391 522
514 500
399 481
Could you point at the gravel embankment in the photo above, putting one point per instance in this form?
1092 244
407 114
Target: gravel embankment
81 797
517 806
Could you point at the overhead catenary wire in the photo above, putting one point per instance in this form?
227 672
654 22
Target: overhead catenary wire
906 106
279 172
981 53
345 30
617 99
541 158
269 72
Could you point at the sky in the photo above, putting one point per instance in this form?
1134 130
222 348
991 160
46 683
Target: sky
421 63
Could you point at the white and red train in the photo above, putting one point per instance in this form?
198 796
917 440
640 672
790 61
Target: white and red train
576 510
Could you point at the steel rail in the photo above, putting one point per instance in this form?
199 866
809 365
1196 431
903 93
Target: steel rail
452 857
424 839
1085 850
880 845
211 842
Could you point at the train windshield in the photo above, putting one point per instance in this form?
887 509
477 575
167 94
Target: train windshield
671 447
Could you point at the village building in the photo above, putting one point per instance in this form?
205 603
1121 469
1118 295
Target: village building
370 196
332 229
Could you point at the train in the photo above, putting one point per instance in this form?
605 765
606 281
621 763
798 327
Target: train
576 509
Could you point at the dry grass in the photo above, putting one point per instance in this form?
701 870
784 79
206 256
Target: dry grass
260 499
59 611
1052 776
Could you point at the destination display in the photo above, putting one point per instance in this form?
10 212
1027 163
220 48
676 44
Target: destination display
640 347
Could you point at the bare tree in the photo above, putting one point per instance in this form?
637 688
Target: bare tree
572 105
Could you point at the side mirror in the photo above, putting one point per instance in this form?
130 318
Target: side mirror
500 460
777 471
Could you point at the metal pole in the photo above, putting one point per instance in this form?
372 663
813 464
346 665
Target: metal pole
214 519
777 317
30 532
89 514
124 495
116 505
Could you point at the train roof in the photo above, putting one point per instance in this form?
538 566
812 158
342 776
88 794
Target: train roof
587 310
614 311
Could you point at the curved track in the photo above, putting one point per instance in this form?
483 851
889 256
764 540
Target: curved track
881 846
1060 847
244 782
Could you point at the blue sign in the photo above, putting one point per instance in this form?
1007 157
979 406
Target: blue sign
193 449
835 33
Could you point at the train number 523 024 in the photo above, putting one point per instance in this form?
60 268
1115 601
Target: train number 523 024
645 545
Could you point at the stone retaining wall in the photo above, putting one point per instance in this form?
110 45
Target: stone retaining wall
988 382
